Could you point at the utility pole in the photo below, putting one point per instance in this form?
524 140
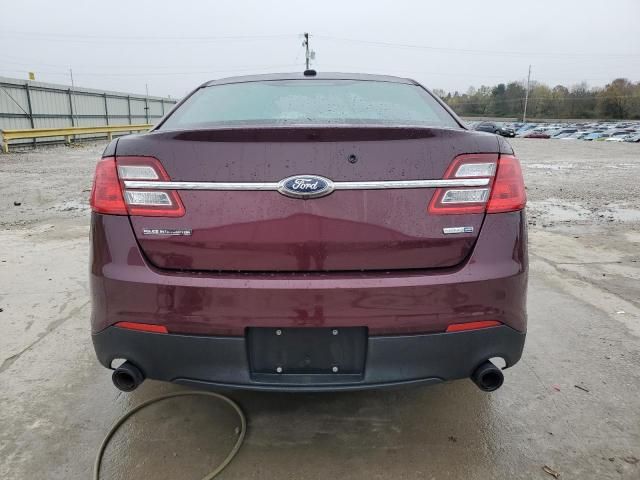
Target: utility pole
305 44
526 97
146 102
72 100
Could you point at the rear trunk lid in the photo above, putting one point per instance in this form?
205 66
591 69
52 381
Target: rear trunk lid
347 230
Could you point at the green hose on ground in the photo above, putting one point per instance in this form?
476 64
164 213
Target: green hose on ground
209 476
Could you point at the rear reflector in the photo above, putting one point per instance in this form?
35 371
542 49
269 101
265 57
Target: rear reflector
460 327
143 327
106 194
505 192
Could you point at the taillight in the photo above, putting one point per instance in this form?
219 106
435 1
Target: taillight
149 203
106 194
508 193
504 191
458 200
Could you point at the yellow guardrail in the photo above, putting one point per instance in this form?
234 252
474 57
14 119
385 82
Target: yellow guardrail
67 132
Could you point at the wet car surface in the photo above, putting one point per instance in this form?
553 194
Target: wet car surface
239 244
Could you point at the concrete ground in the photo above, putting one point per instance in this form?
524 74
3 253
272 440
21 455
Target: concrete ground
572 405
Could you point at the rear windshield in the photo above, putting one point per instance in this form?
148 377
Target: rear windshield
283 102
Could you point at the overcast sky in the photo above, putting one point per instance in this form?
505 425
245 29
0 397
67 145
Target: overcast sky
175 45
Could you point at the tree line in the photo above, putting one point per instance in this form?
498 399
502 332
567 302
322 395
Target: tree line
619 99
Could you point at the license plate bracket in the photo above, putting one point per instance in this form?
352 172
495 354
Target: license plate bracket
307 350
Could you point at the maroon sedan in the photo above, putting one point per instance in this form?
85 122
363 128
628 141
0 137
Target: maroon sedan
308 232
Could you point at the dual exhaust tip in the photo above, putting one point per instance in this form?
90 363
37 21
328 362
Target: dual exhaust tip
127 377
488 377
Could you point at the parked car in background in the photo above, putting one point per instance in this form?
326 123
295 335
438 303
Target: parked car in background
564 132
618 136
575 136
561 135
599 131
496 128
525 128
602 137
276 232
595 136
538 134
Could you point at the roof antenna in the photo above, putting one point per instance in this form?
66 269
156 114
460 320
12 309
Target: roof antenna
309 55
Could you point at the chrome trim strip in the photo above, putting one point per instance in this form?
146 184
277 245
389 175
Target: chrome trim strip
454 182
375 185
201 185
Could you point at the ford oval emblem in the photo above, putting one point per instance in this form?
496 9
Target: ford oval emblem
305 186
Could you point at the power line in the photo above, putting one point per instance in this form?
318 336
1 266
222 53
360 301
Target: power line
145 38
93 39
403 72
148 37
368 69
182 68
65 73
472 51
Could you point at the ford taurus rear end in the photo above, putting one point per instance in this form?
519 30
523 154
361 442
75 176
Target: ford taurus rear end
320 232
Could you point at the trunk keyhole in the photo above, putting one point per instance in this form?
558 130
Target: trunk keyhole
353 158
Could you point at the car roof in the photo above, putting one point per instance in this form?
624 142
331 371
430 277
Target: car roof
318 76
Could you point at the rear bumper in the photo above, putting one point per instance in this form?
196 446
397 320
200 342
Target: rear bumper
222 362
489 285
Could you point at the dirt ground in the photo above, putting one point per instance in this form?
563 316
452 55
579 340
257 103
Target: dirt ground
572 404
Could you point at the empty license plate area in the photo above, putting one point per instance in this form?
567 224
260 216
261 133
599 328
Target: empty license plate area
307 350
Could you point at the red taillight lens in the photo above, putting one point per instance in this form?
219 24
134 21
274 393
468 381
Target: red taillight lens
143 327
508 193
148 202
106 194
504 192
460 200
461 327
109 195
